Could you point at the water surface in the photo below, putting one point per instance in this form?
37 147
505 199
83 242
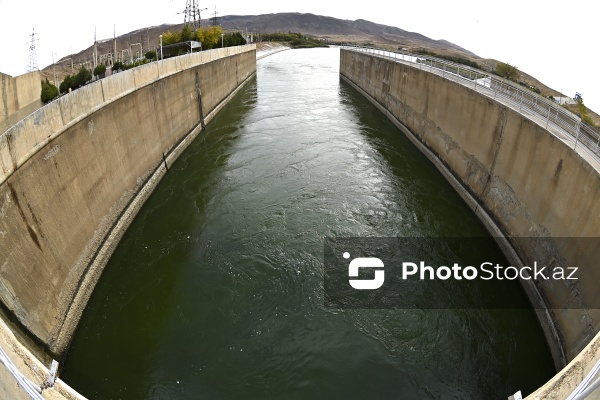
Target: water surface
215 292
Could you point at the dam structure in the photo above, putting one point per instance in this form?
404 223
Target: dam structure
76 173
519 168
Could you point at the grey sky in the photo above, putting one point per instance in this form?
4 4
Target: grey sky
551 40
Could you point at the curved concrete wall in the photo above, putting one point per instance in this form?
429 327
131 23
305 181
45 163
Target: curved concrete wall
528 181
70 171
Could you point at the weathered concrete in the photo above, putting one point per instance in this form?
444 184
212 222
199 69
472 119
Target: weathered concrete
19 97
72 170
528 182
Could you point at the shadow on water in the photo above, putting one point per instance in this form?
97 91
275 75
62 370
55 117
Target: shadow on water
216 290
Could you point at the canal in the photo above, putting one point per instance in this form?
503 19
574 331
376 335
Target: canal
216 290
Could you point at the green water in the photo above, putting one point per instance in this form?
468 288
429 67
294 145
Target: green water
215 291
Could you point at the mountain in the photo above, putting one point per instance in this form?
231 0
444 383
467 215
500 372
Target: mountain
328 28
339 30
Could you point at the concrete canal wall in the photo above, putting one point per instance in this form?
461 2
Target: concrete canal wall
74 173
522 181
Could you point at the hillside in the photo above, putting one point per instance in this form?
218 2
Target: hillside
327 28
338 30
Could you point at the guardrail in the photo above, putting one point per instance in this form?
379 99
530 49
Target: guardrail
545 112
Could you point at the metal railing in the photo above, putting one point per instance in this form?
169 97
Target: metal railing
559 121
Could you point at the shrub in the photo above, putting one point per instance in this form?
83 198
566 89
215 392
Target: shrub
100 70
82 77
67 83
150 55
49 92
507 71
118 66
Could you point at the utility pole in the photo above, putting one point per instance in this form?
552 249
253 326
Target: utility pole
114 44
54 68
33 64
95 55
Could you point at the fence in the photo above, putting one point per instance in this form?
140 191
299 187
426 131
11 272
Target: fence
556 119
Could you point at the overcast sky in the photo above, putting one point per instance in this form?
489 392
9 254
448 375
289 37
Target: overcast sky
555 41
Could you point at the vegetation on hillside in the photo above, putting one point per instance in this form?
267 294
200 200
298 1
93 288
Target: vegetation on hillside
507 71
296 40
454 59
512 73
582 110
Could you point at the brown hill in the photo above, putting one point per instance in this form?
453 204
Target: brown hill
339 30
328 28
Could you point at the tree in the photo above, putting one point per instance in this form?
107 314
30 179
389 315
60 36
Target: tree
150 55
210 37
82 77
117 66
507 71
582 110
100 70
171 38
186 33
49 92
67 83
233 39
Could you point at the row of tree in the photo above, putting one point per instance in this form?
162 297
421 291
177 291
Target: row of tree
210 38
71 82
296 39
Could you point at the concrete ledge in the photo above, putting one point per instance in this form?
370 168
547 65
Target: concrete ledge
32 368
28 136
144 74
117 85
76 105
167 67
80 102
567 379
184 62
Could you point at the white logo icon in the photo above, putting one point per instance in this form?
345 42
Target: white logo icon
366 262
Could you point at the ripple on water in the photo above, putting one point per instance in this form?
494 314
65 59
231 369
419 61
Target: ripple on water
216 290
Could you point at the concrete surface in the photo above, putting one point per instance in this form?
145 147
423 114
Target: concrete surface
19 97
74 174
529 182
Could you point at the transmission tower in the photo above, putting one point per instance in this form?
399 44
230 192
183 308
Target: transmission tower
192 14
33 63
215 19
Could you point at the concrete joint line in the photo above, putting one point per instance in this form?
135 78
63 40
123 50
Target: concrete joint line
497 145
165 162
199 92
